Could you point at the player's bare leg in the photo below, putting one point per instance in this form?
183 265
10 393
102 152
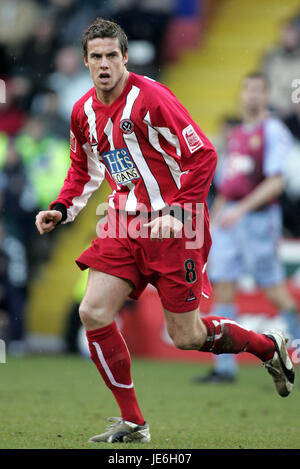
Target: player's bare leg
105 295
186 330
101 304
220 335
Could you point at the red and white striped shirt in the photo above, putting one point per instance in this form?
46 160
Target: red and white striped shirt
145 144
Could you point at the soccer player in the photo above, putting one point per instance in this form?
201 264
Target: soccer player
133 131
246 215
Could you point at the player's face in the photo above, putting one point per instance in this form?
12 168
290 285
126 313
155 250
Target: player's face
254 95
106 63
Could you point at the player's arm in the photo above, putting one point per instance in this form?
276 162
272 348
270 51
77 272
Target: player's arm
216 209
198 158
264 193
198 161
84 176
277 145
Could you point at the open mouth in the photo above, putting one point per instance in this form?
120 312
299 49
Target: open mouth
104 76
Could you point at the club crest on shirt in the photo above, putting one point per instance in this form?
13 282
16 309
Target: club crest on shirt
192 139
94 142
126 125
120 166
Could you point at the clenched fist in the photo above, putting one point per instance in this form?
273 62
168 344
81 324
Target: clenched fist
47 220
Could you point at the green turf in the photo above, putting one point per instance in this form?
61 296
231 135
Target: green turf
59 402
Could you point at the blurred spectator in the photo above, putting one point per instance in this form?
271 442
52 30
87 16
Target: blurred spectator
227 123
290 200
5 66
4 139
12 114
4 321
292 120
70 79
281 66
71 17
37 52
145 23
18 201
142 56
47 105
17 20
13 282
45 157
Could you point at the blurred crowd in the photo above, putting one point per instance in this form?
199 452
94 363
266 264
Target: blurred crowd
42 68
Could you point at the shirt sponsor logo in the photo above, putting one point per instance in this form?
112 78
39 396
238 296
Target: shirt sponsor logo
121 166
127 126
73 142
192 139
239 164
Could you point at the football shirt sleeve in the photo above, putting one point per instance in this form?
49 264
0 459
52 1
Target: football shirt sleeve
278 145
84 176
197 156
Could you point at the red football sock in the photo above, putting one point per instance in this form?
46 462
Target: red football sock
227 336
111 356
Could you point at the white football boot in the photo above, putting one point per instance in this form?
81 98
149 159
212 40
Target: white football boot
123 431
280 366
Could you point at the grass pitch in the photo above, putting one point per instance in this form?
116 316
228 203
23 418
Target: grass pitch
60 401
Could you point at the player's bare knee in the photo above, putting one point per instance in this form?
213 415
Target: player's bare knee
94 316
191 341
187 332
85 313
187 343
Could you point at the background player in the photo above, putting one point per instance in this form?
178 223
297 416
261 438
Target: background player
246 214
136 133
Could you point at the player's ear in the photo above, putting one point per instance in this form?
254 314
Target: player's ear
85 61
85 56
125 58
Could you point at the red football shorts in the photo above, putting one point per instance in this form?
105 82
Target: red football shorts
177 272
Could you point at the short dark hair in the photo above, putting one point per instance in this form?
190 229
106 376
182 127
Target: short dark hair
258 75
102 28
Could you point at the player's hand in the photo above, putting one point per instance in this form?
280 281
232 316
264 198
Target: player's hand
164 227
47 220
230 217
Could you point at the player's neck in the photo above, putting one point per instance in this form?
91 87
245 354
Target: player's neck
108 97
254 117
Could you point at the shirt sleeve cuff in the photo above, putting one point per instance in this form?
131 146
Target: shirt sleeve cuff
178 212
62 209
